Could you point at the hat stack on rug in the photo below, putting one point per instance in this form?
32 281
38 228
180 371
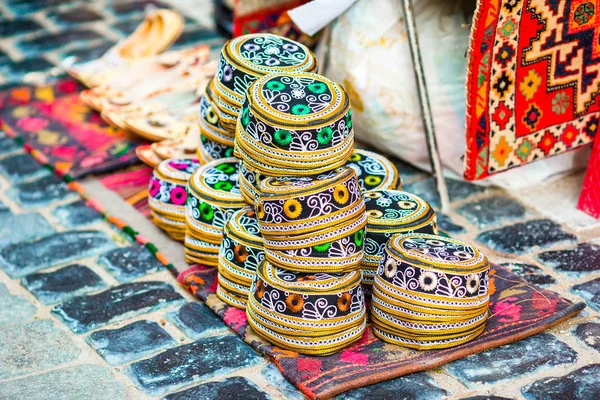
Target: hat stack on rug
213 195
243 60
389 213
167 195
295 133
240 255
430 292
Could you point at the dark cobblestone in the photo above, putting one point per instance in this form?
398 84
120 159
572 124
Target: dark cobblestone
14 309
485 397
76 214
419 386
21 7
512 360
584 258
135 7
236 388
195 36
446 224
274 377
21 167
18 26
128 263
88 53
196 320
63 284
4 209
131 342
41 192
525 236
84 313
52 41
589 333
16 70
581 384
590 291
457 190
34 346
24 258
16 228
492 211
74 16
531 273
192 362
7 145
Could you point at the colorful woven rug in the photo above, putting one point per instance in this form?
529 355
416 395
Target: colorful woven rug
132 186
53 120
518 310
533 81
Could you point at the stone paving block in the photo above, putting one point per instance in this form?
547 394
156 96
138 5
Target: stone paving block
531 273
131 342
16 228
128 263
21 167
584 258
127 26
446 224
63 284
512 360
74 16
3 208
88 53
196 320
191 37
135 7
89 382
457 190
419 386
34 346
492 211
7 144
84 313
14 309
21 7
14 71
23 258
581 384
18 26
525 236
51 41
236 388
76 214
589 333
41 192
590 291
193 362
486 397
274 377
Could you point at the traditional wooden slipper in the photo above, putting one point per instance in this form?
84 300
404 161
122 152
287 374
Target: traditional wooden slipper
155 34
147 155
184 148
161 126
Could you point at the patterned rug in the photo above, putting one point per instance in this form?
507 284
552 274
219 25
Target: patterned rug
132 186
533 81
519 310
53 120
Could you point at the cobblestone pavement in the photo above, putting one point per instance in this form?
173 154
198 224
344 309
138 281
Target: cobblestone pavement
86 314
84 308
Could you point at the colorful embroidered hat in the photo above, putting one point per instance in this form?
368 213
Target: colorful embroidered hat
209 150
430 292
295 125
209 121
249 184
309 313
249 57
374 171
213 195
240 254
167 194
392 212
198 251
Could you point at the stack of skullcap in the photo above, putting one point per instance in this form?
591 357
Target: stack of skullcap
430 292
295 125
213 195
240 254
392 212
243 60
374 171
313 224
315 314
167 195
210 150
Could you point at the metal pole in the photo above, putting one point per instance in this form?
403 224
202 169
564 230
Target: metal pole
434 154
